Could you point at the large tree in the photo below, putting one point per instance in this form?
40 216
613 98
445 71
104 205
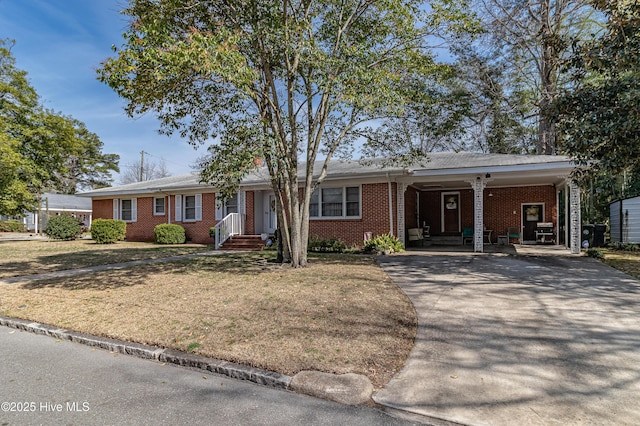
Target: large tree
284 80
41 150
515 68
599 115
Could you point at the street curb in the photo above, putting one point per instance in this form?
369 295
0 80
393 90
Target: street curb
170 356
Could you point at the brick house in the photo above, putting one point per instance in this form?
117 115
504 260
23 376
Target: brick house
448 192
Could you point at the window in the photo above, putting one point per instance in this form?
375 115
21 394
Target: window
189 207
125 209
335 202
353 201
158 206
232 204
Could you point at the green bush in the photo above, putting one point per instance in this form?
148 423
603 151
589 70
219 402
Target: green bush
595 253
167 233
108 231
383 244
623 246
63 227
11 226
328 245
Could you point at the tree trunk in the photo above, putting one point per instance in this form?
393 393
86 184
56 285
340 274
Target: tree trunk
548 80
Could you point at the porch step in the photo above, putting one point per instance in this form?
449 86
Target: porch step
243 242
446 240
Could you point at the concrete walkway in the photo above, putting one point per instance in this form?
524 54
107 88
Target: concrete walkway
543 338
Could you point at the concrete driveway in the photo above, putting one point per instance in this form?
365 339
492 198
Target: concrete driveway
504 339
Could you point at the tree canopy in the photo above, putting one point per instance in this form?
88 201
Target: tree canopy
288 81
41 150
599 115
512 70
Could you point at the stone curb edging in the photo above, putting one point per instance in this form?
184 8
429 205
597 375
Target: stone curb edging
230 369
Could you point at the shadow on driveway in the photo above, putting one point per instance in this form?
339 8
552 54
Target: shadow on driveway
509 339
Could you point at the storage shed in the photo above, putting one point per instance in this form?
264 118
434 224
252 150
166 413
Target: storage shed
624 220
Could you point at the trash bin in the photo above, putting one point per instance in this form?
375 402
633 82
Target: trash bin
587 235
598 235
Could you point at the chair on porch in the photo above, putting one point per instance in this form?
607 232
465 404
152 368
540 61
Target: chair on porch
512 233
415 235
467 235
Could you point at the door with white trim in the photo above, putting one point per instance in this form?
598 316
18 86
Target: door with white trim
270 216
450 212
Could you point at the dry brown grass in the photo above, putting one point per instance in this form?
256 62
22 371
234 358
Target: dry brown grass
625 261
36 257
341 314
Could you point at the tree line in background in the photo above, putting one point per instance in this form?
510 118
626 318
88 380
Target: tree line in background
42 150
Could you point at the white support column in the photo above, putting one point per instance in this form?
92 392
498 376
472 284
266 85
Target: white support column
478 184
575 217
400 190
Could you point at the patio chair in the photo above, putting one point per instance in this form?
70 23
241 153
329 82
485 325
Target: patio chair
415 234
513 232
467 235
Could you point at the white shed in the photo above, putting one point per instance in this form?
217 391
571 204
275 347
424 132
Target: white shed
624 220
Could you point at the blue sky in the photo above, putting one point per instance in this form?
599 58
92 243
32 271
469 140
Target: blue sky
60 43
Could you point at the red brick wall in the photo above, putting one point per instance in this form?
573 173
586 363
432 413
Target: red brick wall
375 217
142 229
102 209
498 209
411 207
198 232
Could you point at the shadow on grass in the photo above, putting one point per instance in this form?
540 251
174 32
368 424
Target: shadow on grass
245 263
86 258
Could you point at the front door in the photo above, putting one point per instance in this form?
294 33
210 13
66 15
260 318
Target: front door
531 215
450 212
270 213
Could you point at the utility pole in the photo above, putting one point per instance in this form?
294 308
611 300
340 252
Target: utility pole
141 166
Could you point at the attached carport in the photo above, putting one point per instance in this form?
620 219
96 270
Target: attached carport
484 174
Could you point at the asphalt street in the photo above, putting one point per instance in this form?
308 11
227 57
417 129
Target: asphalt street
53 382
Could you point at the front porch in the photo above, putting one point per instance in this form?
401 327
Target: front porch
485 206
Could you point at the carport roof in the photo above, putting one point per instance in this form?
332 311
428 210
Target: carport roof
437 167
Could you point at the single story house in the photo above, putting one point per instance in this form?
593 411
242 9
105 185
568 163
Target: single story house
53 204
451 193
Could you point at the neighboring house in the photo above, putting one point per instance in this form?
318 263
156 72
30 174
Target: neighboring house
57 204
448 192
624 220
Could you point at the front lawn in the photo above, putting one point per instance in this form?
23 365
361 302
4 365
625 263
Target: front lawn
341 314
36 257
625 261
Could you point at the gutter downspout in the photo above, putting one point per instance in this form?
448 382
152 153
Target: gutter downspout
390 205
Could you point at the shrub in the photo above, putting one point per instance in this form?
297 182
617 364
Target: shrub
623 246
595 253
168 233
383 244
63 227
11 226
328 245
108 231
